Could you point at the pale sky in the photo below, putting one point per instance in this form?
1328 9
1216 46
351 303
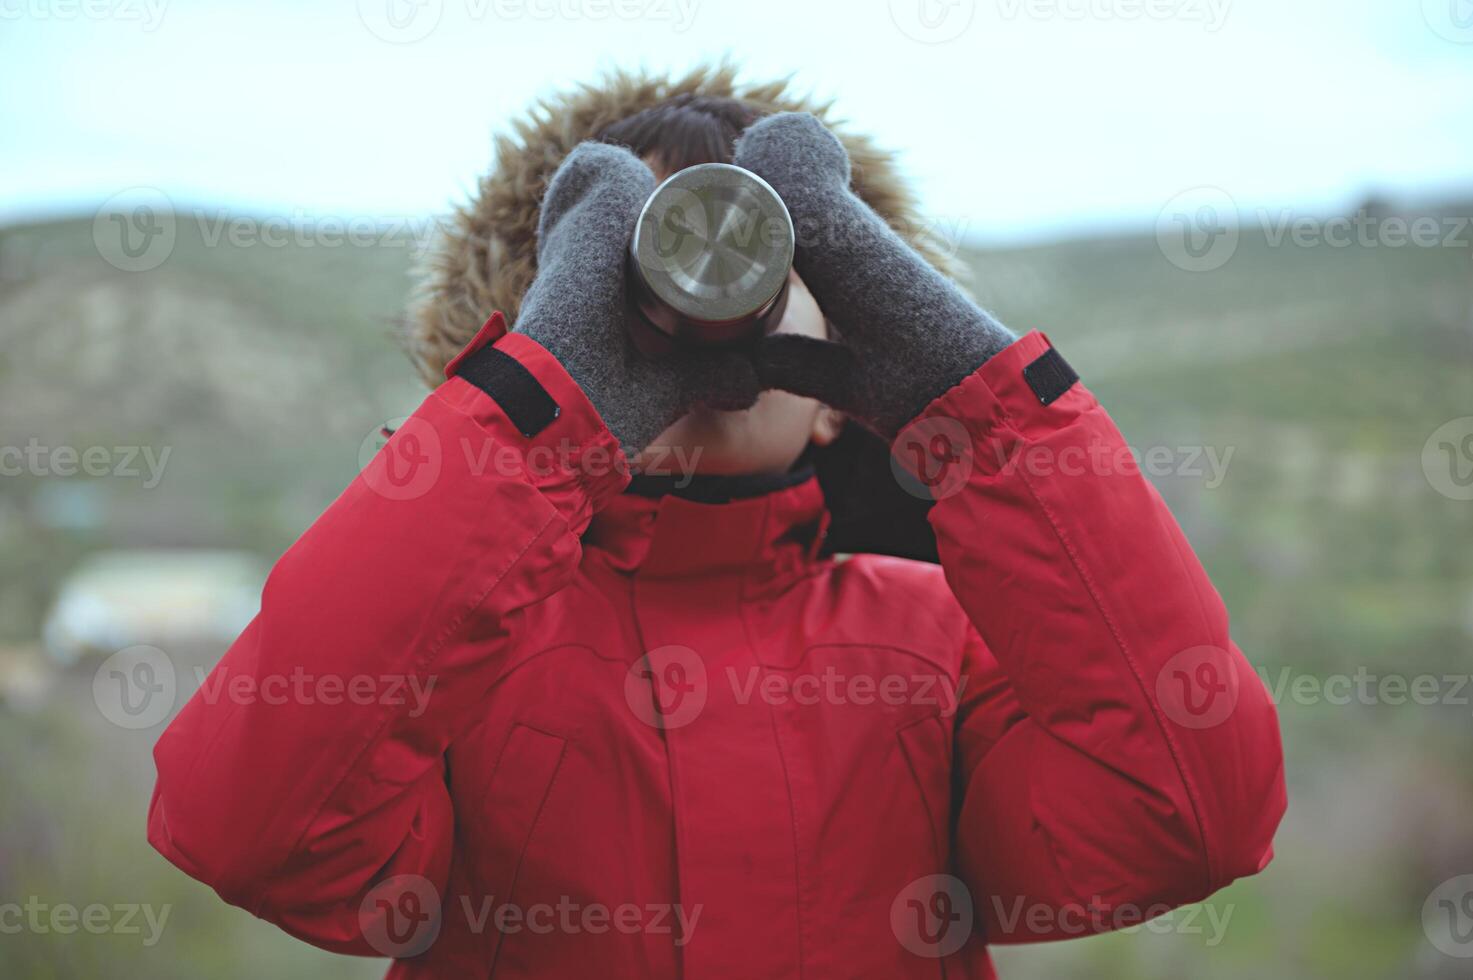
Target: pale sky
1017 119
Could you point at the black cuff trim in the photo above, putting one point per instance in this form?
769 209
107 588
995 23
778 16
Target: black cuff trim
515 389
1049 376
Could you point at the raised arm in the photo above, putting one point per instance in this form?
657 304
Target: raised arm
308 769
1116 754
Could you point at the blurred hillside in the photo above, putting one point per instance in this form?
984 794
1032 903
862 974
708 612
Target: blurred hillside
1313 376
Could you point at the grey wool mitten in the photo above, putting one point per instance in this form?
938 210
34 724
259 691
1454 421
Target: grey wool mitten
908 333
576 305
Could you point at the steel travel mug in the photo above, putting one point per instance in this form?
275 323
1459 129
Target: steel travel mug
709 261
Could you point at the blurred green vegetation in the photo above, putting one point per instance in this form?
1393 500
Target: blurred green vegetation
1321 371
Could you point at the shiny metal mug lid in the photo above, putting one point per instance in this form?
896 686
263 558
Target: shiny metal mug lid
710 256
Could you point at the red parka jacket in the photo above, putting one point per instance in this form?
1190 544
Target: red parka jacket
496 718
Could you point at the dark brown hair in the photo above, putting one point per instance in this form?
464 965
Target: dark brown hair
684 131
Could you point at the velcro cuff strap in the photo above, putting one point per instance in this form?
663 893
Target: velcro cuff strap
1049 376
515 389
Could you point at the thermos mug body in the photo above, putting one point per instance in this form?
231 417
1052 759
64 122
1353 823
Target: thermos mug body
709 261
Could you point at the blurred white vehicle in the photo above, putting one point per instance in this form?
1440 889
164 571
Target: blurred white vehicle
165 598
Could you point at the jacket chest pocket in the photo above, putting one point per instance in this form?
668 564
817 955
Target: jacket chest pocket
515 796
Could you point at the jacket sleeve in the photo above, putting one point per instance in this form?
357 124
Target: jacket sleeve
1116 756
308 767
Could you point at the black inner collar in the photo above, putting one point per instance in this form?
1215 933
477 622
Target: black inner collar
710 489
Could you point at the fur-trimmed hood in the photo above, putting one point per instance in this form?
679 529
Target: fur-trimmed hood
486 253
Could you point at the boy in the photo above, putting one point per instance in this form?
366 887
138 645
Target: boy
667 734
